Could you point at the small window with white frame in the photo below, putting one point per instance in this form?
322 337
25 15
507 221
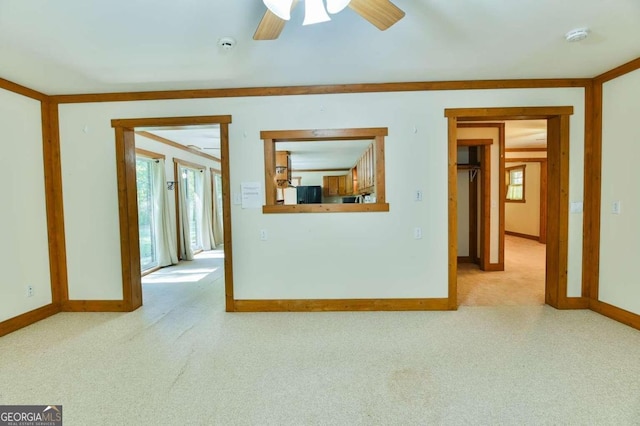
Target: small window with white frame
515 177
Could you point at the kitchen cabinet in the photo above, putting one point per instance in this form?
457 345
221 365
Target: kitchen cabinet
365 169
283 169
348 184
334 186
330 186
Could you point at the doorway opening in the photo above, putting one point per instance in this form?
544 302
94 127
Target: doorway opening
179 207
174 200
557 122
513 269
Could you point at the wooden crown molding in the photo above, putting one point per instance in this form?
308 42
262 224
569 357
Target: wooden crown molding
149 154
322 90
22 90
177 145
618 71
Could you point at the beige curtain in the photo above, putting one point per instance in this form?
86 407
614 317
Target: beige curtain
183 220
206 228
162 220
217 219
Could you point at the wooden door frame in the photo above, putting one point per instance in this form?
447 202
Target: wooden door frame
487 264
128 205
558 192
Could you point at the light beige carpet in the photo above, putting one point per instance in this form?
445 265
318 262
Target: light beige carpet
521 283
181 360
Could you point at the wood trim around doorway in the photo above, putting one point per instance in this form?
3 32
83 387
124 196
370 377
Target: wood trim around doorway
502 190
127 201
558 190
481 154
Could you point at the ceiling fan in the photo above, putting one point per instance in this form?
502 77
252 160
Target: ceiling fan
381 13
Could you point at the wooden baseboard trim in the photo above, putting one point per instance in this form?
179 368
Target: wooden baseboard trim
573 303
615 313
28 318
94 306
323 305
150 270
465 259
495 267
527 236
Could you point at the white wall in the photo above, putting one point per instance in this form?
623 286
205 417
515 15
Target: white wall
24 253
315 178
620 234
323 251
524 218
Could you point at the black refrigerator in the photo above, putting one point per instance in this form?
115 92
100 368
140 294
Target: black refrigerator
309 194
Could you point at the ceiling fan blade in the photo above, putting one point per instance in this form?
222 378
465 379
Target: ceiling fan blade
381 13
271 25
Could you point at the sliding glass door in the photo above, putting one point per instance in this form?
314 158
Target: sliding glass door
144 180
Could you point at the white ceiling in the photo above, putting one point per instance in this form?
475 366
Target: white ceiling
525 133
202 138
84 46
319 155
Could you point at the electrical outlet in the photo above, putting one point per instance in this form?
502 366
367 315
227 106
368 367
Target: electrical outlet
29 291
418 195
417 233
263 235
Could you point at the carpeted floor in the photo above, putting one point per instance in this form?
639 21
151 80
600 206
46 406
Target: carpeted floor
521 283
181 360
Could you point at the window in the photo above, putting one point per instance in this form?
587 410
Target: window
144 181
515 177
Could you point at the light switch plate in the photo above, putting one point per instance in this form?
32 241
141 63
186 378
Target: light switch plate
616 208
417 233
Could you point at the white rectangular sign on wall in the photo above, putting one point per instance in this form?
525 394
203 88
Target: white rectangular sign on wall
251 195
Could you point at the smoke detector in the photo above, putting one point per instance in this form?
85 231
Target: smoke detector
577 35
226 43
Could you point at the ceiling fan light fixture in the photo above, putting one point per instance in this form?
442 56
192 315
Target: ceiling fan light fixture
336 6
280 8
314 12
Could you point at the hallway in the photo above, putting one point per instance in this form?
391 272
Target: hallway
521 283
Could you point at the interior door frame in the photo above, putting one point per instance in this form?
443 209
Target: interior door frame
557 194
483 258
128 205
